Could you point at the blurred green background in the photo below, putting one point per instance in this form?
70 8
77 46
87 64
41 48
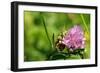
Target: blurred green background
36 44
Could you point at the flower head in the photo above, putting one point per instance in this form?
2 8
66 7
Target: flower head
74 39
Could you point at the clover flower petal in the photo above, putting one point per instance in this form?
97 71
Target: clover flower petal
74 39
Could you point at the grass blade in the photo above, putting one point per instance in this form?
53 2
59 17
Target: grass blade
82 17
45 29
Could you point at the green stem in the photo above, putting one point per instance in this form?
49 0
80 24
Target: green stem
53 41
46 29
82 17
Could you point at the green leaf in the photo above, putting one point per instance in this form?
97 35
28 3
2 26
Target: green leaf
73 57
59 55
